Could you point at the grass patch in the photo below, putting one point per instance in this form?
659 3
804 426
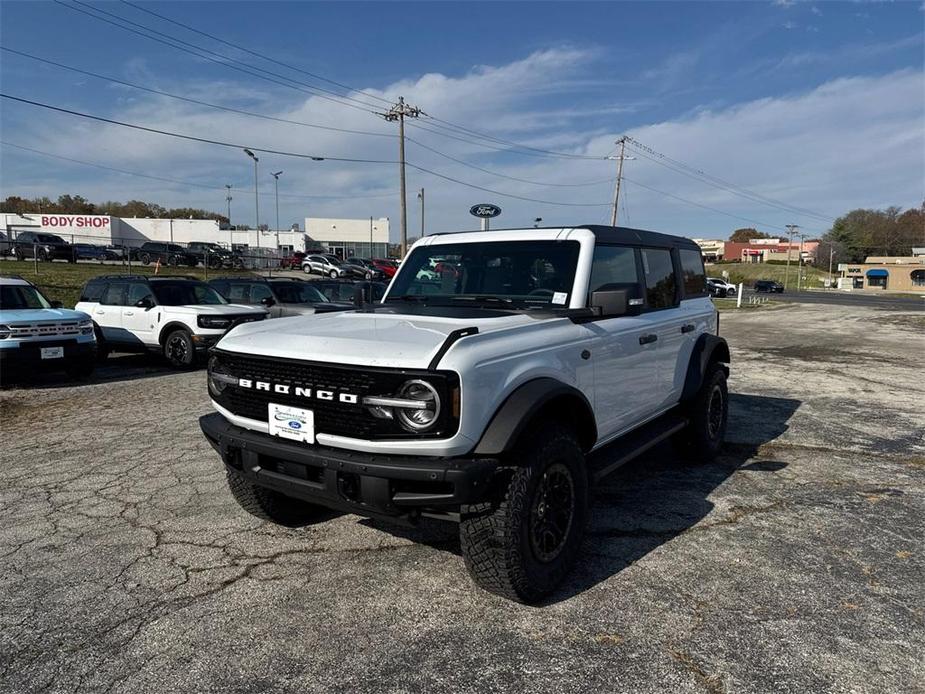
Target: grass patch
749 272
63 281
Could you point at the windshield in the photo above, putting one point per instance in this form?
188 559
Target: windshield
524 273
17 296
185 293
298 293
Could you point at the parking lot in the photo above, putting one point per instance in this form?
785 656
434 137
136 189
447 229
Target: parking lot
793 563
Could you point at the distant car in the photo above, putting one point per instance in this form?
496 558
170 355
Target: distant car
212 253
388 266
90 251
293 261
166 253
281 296
716 289
768 286
730 288
32 244
344 290
6 246
363 268
325 265
38 335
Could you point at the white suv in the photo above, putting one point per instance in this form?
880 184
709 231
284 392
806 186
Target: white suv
179 316
475 391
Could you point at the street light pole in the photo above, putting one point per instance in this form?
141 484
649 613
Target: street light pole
370 237
791 228
831 254
256 194
228 200
421 198
800 262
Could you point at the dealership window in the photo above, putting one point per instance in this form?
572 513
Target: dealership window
918 278
661 289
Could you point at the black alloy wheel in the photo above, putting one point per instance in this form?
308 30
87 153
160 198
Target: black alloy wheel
552 513
179 350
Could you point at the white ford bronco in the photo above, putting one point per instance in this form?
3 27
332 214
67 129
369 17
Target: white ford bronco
476 392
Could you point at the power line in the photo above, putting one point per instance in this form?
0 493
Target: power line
500 175
194 101
191 184
253 53
698 174
194 138
224 61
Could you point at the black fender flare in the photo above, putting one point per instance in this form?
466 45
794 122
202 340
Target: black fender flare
169 328
708 348
529 401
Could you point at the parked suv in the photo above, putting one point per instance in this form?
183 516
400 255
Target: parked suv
478 395
167 253
282 297
177 316
214 255
768 286
32 244
38 335
324 265
363 268
728 287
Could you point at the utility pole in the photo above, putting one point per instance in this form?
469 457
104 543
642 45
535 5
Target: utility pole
371 254
616 192
792 230
399 112
256 194
831 254
276 182
800 262
421 198
228 201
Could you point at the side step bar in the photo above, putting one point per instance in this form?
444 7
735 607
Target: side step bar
635 443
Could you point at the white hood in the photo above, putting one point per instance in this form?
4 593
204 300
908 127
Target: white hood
370 339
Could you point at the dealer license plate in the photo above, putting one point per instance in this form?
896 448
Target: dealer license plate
52 352
292 423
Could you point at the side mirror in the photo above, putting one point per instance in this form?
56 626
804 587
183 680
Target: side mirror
612 303
268 301
56 304
145 303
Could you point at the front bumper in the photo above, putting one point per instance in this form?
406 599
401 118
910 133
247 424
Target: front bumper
363 483
29 353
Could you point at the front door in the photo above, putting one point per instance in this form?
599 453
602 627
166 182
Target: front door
108 312
136 320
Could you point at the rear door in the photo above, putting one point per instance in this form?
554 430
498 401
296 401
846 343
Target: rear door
664 318
625 374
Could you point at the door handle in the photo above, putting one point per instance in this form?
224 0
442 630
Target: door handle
689 328
129 313
647 339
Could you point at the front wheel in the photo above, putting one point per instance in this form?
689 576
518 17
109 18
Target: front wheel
179 350
522 544
708 413
145 259
270 505
333 274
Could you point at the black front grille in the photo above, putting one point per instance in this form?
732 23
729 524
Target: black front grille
331 416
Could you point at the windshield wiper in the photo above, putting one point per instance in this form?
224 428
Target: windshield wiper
488 299
409 297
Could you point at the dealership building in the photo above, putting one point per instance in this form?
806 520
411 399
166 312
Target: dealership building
367 237
896 273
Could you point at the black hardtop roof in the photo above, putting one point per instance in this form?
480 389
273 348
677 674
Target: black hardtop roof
257 278
609 234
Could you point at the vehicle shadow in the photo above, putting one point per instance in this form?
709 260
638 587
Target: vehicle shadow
116 367
652 499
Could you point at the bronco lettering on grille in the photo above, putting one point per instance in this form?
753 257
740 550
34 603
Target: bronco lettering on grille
299 391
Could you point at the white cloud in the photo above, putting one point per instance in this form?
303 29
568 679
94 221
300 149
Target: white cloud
816 11
848 143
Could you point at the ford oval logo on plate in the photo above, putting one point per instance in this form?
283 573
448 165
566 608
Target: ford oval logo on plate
295 425
485 210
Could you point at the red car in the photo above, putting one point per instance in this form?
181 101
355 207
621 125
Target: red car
293 261
388 266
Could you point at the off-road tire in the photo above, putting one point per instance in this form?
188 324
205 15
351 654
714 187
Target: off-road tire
270 505
708 412
179 349
497 536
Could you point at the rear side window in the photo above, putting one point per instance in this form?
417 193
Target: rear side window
138 291
114 294
692 272
612 268
92 291
661 288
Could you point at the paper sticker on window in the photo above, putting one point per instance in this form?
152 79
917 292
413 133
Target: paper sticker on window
559 297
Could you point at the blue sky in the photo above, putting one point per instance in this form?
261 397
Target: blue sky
819 105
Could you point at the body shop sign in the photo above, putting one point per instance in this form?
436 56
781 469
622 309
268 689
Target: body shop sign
74 222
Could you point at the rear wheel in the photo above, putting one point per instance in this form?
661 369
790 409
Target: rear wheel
708 413
145 259
173 260
522 544
18 254
179 350
307 269
270 505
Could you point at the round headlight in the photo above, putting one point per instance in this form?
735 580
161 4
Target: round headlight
423 417
5 332
219 378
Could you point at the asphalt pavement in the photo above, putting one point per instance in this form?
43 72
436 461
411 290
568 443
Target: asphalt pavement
838 297
793 563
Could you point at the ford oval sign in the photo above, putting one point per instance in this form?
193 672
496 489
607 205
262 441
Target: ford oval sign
485 210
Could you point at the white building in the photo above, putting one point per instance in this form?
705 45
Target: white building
366 238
